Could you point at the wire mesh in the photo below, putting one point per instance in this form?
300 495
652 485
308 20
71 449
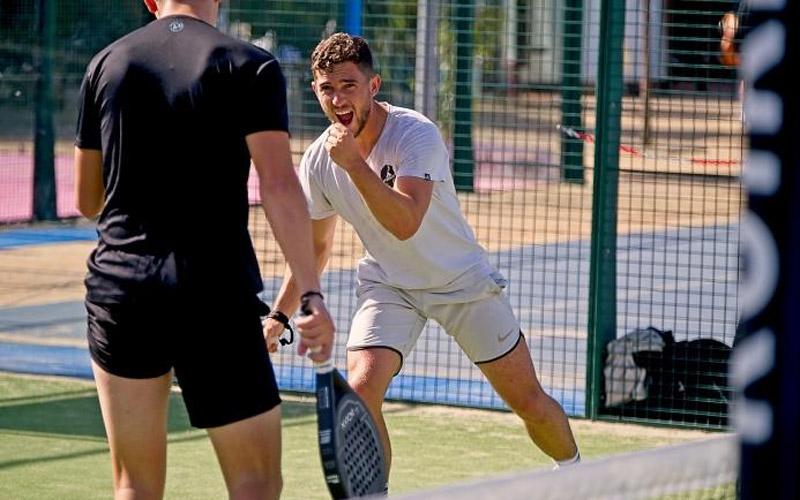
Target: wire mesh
508 145
511 85
680 199
17 86
77 30
529 157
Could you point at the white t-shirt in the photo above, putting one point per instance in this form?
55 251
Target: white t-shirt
443 248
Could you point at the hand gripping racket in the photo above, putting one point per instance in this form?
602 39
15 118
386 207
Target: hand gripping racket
349 444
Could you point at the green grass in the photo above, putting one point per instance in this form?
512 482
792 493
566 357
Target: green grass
52 445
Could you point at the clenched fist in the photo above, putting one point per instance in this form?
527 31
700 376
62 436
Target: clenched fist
342 147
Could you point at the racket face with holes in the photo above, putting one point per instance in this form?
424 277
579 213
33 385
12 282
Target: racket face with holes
349 444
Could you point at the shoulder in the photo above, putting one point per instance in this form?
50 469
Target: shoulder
414 126
315 153
248 52
409 118
119 46
239 54
413 134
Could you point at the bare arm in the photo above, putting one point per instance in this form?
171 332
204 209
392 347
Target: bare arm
400 209
89 190
288 298
285 207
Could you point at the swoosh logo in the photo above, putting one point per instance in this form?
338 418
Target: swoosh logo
502 338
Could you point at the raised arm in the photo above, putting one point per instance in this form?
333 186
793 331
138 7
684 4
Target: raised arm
399 209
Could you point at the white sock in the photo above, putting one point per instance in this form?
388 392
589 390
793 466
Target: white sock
570 461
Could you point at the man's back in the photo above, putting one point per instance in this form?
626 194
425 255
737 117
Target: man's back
170 105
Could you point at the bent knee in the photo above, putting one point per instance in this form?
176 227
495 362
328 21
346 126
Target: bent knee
535 407
370 371
370 392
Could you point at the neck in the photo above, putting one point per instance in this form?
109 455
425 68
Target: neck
372 131
203 10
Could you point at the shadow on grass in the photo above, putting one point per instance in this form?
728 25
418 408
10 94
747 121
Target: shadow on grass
40 397
71 415
75 415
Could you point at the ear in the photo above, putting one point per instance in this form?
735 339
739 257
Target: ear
317 94
375 84
151 5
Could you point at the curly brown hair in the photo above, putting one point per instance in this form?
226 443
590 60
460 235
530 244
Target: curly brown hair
340 48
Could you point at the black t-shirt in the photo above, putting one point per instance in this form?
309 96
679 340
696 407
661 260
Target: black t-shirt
170 105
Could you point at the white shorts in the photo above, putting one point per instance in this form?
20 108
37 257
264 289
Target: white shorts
473 309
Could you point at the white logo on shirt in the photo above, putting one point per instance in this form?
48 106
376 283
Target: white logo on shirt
176 26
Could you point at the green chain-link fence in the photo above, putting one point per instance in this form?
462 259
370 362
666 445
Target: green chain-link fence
44 48
596 145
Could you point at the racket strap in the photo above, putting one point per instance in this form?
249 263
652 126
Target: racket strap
284 320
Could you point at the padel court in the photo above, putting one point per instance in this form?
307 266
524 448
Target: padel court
692 271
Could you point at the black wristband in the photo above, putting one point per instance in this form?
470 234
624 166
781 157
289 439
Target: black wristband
284 320
279 317
311 293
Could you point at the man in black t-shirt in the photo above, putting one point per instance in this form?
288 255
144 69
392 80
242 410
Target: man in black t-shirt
170 117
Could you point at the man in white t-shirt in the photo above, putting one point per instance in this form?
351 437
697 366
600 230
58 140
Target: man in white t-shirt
386 171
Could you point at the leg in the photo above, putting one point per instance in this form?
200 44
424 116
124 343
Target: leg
369 372
384 329
481 320
514 378
229 389
249 453
135 417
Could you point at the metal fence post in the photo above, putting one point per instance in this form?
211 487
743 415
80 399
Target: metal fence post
44 176
603 272
572 149
352 17
426 78
463 161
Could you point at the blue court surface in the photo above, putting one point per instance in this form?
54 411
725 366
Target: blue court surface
15 238
683 279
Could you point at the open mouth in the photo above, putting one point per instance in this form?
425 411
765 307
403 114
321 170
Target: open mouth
345 118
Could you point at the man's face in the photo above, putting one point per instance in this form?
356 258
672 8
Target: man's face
345 94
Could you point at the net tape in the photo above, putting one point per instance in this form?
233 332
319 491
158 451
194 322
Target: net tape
706 469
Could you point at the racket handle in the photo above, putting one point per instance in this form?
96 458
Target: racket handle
322 367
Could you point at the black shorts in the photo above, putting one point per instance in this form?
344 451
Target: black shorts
214 344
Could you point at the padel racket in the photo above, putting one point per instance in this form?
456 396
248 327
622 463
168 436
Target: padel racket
349 444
